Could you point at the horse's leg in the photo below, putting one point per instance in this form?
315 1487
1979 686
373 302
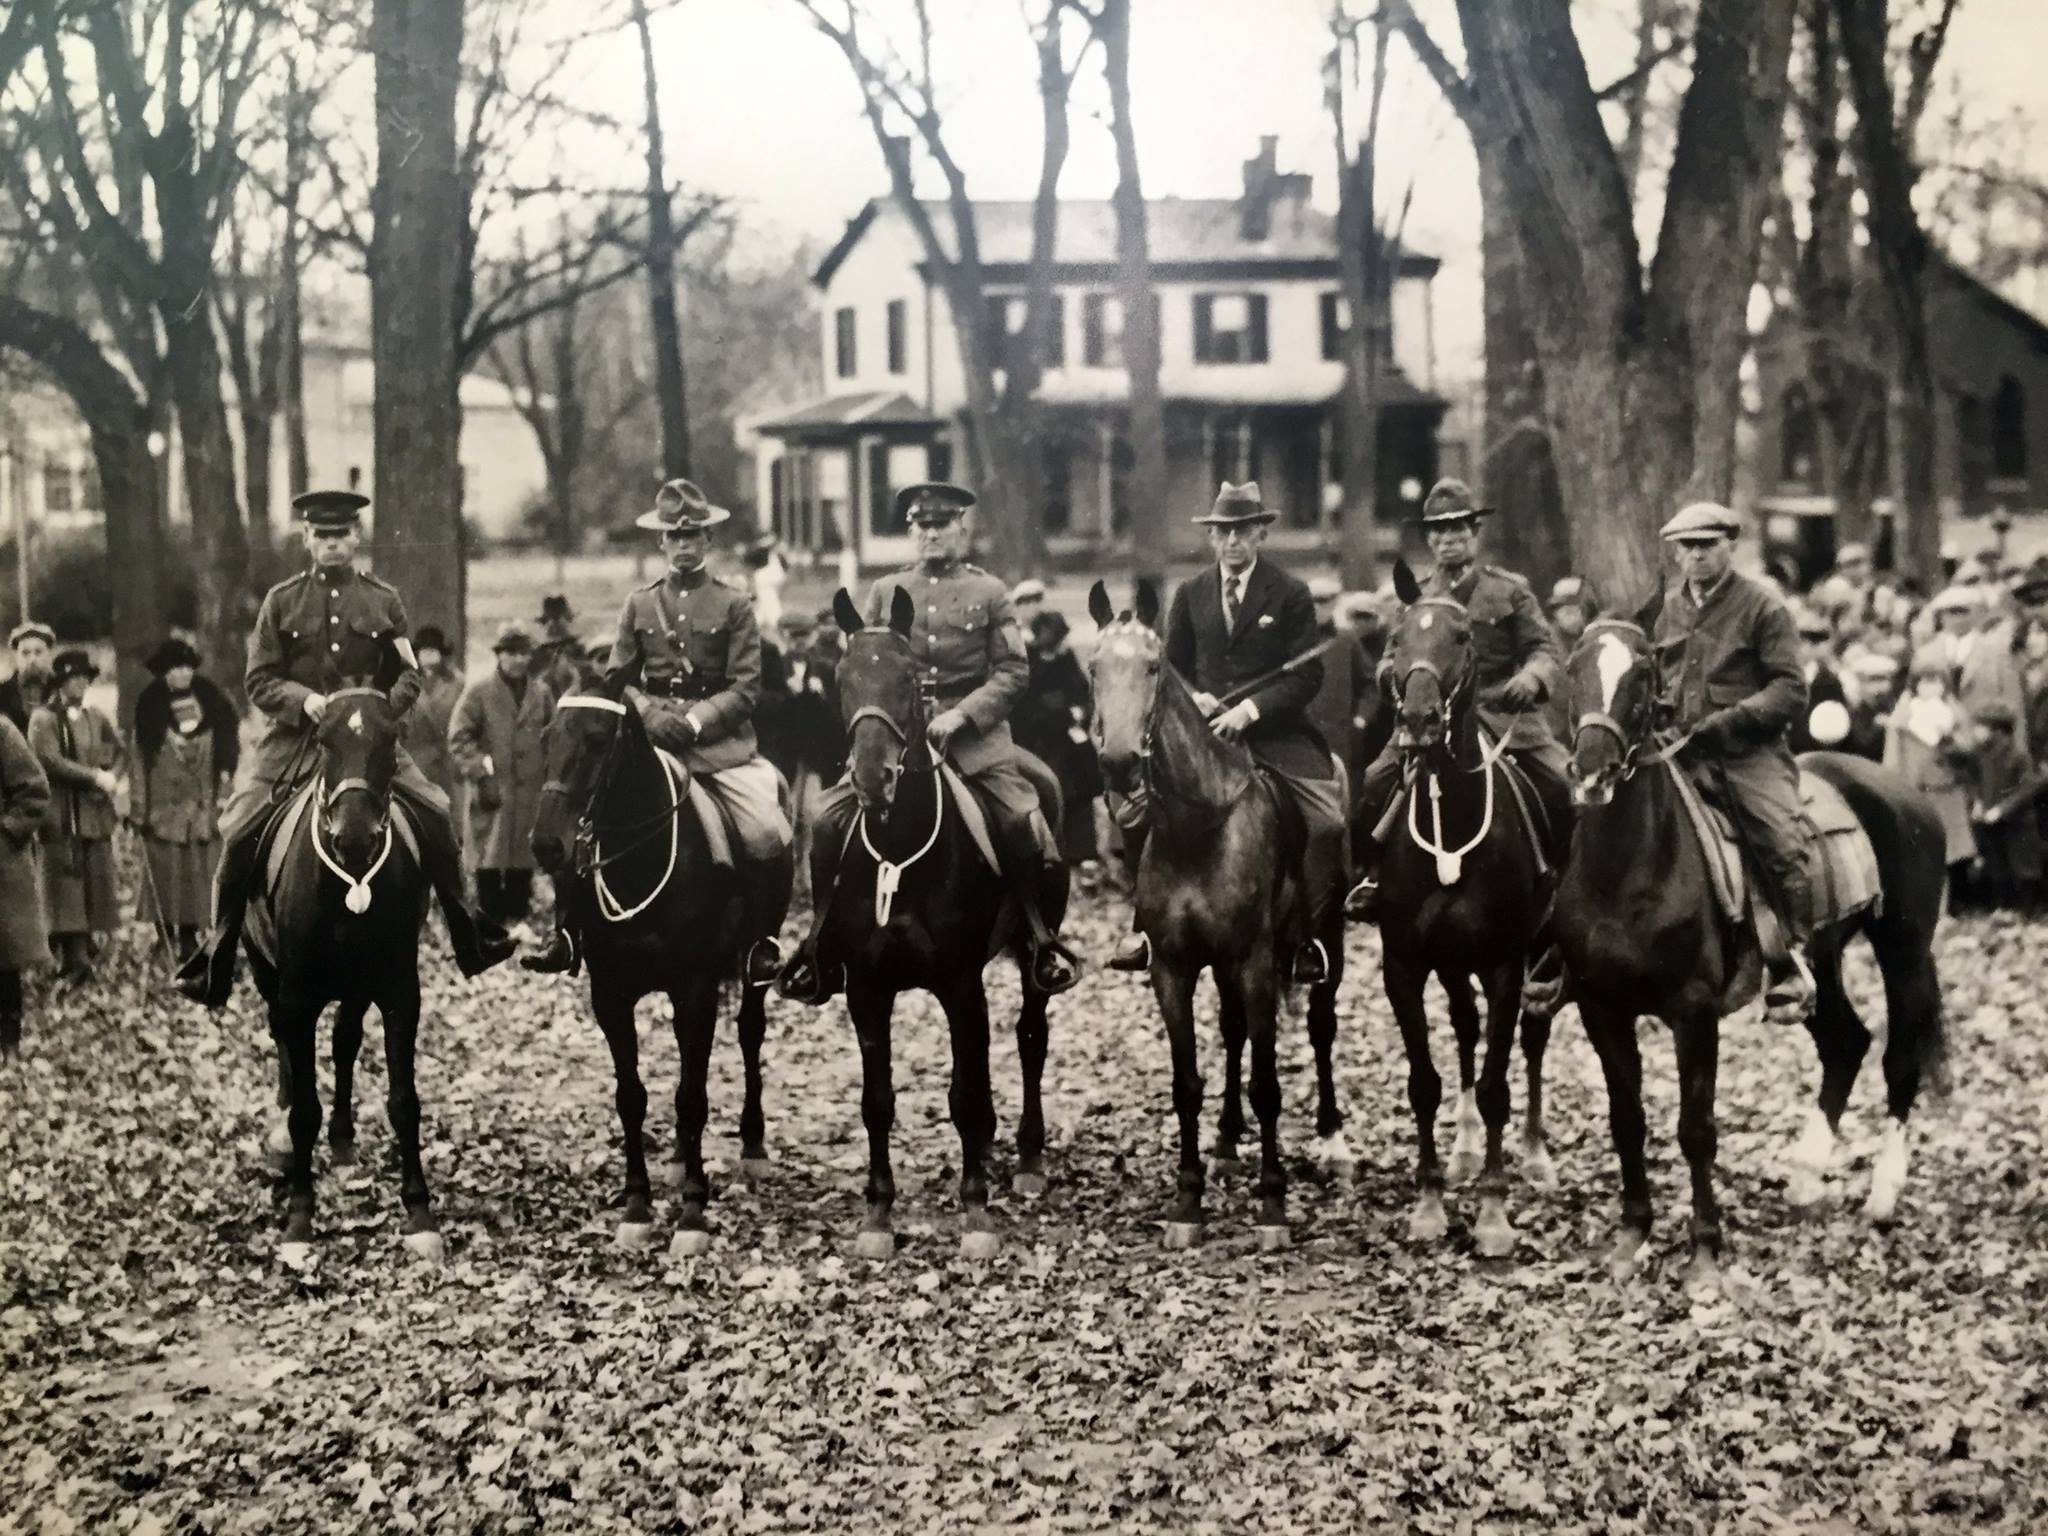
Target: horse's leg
1468 1149
1912 993
870 1007
1699 1041
1174 986
695 1006
400 1012
614 1011
1842 1041
1333 1148
1230 1126
1537 1166
277 1144
971 1098
1493 1232
348 1042
753 1029
1033 1033
1621 1063
1258 989
1403 980
294 1028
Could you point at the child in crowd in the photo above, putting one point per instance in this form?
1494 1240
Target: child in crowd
1927 743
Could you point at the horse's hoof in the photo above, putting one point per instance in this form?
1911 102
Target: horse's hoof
755 1169
1622 1258
1028 1183
633 1234
980 1247
1495 1236
1274 1238
277 1149
1182 1235
1538 1168
1887 1175
672 1174
1335 1153
689 1243
1427 1222
1464 1167
870 1244
1805 1189
427 1247
1702 1277
295 1255
343 1153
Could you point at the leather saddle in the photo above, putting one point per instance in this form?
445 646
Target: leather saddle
1840 858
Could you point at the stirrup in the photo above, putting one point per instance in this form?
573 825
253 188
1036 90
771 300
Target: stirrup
1362 902
1788 997
804 980
1132 953
560 954
1054 968
1311 964
763 962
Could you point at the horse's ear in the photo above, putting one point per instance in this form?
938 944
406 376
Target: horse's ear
844 611
1148 601
1650 612
1406 587
902 612
1099 608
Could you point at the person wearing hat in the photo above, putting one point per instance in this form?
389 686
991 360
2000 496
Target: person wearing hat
1517 669
1823 682
1051 723
427 722
798 716
1240 621
690 647
1991 659
1027 601
1345 703
1873 685
186 747
559 657
33 645
494 740
2007 825
1733 671
967 635
321 630
24 928
79 750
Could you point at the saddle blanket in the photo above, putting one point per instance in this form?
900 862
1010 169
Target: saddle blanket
1843 864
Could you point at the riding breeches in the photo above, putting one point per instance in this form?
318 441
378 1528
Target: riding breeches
751 795
1763 800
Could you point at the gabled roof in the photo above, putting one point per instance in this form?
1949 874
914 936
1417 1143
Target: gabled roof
1976 288
1180 231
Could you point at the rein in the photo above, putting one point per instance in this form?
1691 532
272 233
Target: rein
889 875
590 859
1450 862
1631 744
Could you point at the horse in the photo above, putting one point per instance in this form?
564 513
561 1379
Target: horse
1461 896
616 830
341 923
1644 934
917 905
1214 891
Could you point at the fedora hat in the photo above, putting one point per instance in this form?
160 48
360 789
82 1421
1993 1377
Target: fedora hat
1450 500
679 504
1237 504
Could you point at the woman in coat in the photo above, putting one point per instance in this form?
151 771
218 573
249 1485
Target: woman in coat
495 742
1051 723
79 750
24 936
185 752
427 722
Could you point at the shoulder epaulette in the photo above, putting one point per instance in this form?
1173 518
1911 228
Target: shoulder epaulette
289 581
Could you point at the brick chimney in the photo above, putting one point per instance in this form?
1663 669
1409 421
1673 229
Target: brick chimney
1261 173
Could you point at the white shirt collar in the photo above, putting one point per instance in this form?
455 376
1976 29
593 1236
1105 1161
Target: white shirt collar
1244 577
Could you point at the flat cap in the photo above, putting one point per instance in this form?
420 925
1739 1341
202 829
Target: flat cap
1029 590
1701 520
32 629
1325 589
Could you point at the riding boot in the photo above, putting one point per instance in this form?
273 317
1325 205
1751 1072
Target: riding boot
1134 951
1375 794
1788 992
207 974
76 966
10 1013
1322 877
479 942
1029 866
764 896
808 976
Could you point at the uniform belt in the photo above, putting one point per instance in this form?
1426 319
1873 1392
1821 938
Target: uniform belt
686 685
953 693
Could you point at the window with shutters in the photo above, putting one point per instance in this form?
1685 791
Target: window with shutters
899 336
1003 317
1335 315
2009 430
1230 328
844 360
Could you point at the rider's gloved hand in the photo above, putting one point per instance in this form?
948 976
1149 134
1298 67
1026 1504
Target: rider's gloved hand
1715 733
944 727
1520 691
314 705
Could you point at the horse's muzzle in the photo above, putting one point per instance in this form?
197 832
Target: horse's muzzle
1595 789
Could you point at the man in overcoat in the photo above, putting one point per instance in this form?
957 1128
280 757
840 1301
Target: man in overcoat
24 931
494 741
313 632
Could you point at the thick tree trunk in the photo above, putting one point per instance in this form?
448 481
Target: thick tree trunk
414 253
671 388
1149 536
118 419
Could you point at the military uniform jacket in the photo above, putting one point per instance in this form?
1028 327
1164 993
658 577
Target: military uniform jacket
1276 622
1509 635
965 637
1737 651
699 653
317 631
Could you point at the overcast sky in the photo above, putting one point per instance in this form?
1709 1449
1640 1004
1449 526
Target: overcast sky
761 107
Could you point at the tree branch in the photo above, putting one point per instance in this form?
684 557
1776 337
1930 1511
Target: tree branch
1456 89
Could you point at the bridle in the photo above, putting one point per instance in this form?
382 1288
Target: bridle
1449 693
357 899
1632 742
1450 862
586 859
889 873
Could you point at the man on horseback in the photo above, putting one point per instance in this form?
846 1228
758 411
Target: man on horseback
329 623
696 651
967 639
1243 627
1732 671
1517 666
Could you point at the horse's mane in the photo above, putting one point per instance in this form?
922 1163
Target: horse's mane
1191 764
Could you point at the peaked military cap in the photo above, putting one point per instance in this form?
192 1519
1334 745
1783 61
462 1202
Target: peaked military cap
933 501
679 504
1450 500
1701 520
1238 504
330 509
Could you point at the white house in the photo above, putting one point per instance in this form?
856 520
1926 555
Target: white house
1251 325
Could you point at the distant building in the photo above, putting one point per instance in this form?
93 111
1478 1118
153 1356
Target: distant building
1251 323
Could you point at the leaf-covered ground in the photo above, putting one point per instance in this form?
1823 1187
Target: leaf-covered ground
161 1370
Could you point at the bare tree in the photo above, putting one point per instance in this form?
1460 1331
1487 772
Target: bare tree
1640 365
663 245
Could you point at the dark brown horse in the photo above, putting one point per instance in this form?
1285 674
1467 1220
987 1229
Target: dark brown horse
1643 934
616 831
341 924
916 905
1214 892
1461 897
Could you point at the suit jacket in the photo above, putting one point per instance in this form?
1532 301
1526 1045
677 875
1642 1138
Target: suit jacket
1276 621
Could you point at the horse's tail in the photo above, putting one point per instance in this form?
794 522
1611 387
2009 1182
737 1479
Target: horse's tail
1907 836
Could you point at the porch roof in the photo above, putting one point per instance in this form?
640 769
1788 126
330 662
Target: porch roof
837 415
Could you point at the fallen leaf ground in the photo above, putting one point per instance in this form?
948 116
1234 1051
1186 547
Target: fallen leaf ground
160 1370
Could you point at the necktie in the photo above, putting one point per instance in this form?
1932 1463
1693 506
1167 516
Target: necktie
1233 589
